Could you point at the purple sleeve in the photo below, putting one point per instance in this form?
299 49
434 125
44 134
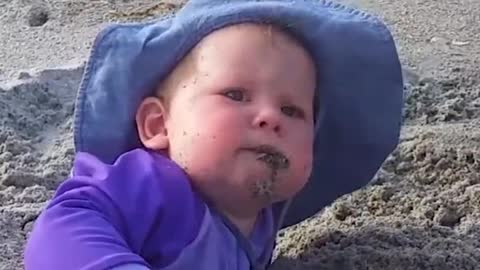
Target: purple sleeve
131 267
141 210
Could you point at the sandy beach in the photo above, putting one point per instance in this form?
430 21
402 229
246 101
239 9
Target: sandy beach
422 210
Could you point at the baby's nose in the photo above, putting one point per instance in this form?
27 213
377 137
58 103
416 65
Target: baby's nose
268 119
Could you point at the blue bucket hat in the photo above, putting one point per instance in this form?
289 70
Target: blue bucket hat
359 89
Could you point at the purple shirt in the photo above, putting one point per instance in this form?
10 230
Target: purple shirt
141 211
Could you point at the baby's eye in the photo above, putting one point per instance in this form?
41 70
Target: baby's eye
236 94
292 111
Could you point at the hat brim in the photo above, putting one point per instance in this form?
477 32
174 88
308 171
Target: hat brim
360 87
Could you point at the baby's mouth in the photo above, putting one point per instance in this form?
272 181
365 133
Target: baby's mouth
274 159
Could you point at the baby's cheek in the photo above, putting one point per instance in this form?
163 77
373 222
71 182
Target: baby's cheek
181 143
196 151
302 168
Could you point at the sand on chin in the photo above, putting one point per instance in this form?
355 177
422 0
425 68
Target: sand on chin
420 211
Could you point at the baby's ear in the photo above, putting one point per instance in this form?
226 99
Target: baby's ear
150 119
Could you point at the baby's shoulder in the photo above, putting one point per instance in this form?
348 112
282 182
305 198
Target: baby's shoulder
142 193
139 178
141 174
141 208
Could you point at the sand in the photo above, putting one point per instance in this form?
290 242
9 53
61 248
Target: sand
420 211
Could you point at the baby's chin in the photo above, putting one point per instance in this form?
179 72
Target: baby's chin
245 180
269 186
268 191
262 182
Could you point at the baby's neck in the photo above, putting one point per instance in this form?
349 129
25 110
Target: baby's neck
245 224
244 218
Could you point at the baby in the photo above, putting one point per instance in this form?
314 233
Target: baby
237 119
225 140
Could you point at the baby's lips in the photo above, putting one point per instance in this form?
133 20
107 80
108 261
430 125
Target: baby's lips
271 156
274 161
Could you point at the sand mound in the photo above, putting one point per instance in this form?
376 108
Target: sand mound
420 212
35 151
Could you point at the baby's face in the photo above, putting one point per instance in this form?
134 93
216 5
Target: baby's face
241 123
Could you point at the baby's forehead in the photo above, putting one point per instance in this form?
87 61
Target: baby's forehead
231 52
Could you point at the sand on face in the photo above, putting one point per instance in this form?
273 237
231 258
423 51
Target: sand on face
420 212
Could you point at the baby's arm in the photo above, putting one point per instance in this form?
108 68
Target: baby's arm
109 216
78 230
